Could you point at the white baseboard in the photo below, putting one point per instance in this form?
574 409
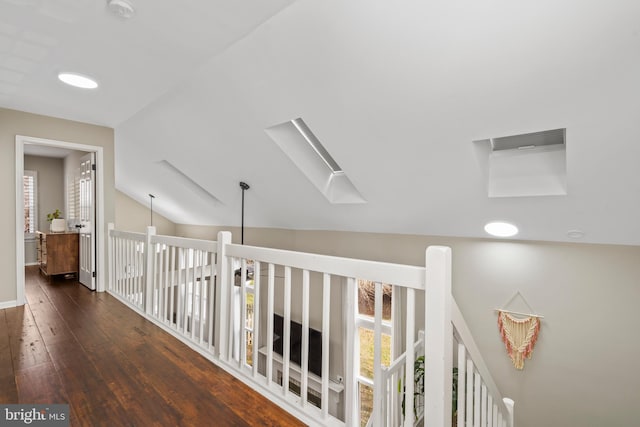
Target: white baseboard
31 263
8 304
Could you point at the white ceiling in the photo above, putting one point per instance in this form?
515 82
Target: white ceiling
396 91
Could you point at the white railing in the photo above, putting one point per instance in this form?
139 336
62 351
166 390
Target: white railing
288 324
393 380
479 402
127 267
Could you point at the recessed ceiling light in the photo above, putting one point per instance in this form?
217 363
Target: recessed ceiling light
501 229
78 80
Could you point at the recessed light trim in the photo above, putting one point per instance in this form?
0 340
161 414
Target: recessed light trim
501 229
575 234
78 80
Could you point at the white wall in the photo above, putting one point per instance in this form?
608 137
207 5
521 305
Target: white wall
50 196
50 186
132 216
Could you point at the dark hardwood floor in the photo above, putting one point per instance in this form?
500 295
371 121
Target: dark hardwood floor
71 345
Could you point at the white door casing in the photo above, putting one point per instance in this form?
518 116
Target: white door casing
100 237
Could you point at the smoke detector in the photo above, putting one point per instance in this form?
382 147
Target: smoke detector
122 8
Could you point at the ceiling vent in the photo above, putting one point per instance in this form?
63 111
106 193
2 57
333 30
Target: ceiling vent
299 143
121 8
531 164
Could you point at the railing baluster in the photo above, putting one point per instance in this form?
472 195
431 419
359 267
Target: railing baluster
203 313
351 359
193 304
136 274
243 314
305 339
286 327
134 277
469 398
110 227
182 293
126 272
462 369
119 265
173 321
483 406
128 258
410 355
123 272
270 304
157 280
138 270
162 283
256 317
476 399
211 283
132 263
326 312
377 356
489 411
167 273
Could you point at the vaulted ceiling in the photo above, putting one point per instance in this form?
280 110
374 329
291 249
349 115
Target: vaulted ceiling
396 92
404 95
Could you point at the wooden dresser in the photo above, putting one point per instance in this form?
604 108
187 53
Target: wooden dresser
58 253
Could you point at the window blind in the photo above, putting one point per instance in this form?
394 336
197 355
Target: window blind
29 182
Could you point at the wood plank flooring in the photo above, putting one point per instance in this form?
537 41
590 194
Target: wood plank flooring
71 345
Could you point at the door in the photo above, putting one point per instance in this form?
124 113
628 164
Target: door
87 221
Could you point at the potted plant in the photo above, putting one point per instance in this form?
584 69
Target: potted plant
418 393
418 388
57 224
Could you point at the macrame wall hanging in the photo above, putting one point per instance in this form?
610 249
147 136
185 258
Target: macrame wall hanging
519 331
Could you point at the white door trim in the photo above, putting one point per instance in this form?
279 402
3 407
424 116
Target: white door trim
100 220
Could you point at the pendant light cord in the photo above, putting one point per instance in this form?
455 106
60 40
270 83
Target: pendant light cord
244 187
151 197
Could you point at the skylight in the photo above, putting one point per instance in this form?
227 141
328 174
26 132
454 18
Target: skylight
315 144
304 149
526 165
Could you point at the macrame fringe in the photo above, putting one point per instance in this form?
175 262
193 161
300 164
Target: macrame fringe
519 336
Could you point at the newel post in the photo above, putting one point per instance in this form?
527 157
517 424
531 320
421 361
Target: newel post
110 274
509 403
222 324
438 337
148 270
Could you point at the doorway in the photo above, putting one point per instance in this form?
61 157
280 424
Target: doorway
99 237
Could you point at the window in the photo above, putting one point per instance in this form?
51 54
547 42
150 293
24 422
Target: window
73 195
30 186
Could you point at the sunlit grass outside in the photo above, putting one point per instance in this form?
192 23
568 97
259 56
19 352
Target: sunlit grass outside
366 368
249 324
